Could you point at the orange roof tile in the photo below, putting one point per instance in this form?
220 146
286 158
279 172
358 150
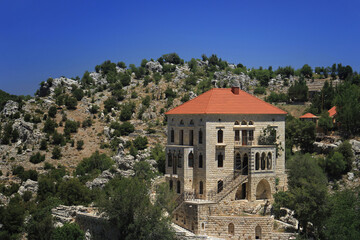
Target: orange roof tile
309 115
224 101
332 111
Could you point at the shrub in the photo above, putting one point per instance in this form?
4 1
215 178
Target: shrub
70 102
58 139
125 79
49 126
185 98
260 90
134 95
169 93
94 109
71 127
73 192
146 101
56 153
69 231
52 111
43 144
335 165
27 117
78 94
140 143
96 161
110 103
37 158
79 144
87 123
126 111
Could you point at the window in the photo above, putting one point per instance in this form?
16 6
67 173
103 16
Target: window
231 229
257 161
191 122
251 135
237 135
201 188
220 136
269 160
191 137
258 232
236 123
191 160
181 137
172 135
171 184
263 161
181 122
170 160
200 161
220 186
200 137
178 187
220 160
179 162
237 161
243 122
251 123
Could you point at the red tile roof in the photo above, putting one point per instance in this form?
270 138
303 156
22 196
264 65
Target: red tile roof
224 101
332 111
309 115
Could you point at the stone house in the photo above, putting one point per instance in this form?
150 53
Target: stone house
220 167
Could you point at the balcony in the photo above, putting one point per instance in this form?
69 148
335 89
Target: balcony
244 142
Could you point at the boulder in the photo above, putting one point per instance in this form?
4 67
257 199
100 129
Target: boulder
154 66
355 146
10 108
29 185
350 176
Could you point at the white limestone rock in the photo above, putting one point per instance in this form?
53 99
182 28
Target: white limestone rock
10 108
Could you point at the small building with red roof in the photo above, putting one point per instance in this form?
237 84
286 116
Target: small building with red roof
216 153
309 117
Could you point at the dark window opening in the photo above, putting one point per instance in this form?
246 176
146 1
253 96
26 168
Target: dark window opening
220 160
191 160
200 161
200 137
201 188
181 137
172 136
220 136
220 186
170 160
191 137
178 187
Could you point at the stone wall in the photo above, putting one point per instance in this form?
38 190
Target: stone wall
99 228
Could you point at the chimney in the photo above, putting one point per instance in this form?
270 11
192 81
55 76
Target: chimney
235 90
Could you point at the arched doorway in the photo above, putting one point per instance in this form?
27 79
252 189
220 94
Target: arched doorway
263 190
231 229
258 232
245 164
241 192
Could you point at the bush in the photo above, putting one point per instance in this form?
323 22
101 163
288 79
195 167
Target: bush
79 144
277 97
71 127
96 161
69 231
27 117
37 158
58 139
260 90
73 192
52 111
70 102
158 154
110 103
127 111
140 143
146 101
87 123
43 144
169 93
185 98
134 95
56 153
94 109
49 126
335 165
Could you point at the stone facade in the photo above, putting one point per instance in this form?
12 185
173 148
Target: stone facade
217 166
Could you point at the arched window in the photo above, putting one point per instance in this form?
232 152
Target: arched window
201 188
170 160
258 232
243 122
200 160
191 137
220 160
191 160
220 186
263 156
251 123
231 229
236 123
200 137
172 135
181 137
257 161
178 187
237 135
220 136
179 161
237 161
181 122
171 184
191 122
269 161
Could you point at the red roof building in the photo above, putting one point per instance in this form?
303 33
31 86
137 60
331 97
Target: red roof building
226 101
332 111
309 116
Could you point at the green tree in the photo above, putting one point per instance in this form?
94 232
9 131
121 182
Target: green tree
325 122
73 192
140 143
79 144
345 149
306 71
307 192
70 102
158 154
49 126
335 165
298 91
130 210
96 161
37 158
12 218
56 153
52 111
110 103
69 231
343 218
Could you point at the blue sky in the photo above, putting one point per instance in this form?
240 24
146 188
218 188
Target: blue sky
42 39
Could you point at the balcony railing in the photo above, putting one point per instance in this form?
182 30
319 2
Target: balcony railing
244 142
